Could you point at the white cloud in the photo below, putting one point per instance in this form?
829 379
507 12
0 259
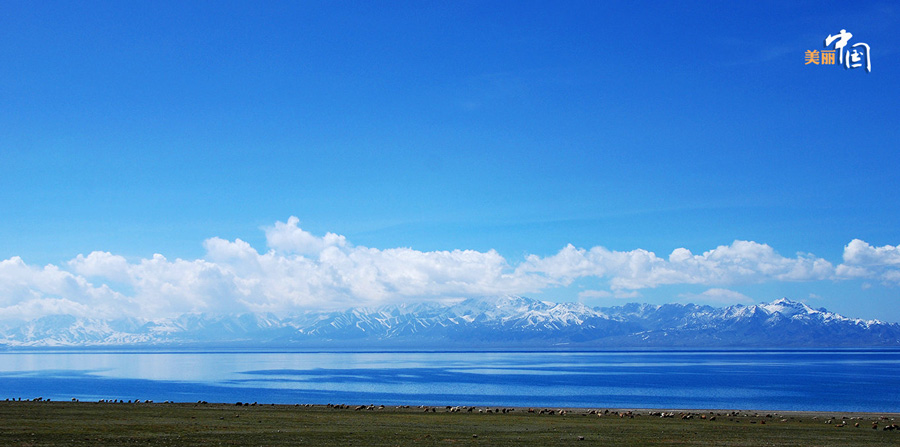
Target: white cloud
290 238
291 275
859 252
101 263
28 292
300 270
740 262
166 287
862 260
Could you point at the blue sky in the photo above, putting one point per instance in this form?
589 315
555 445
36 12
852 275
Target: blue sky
495 133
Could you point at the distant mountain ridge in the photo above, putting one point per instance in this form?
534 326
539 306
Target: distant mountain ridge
493 323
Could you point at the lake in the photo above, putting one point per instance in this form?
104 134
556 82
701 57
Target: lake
821 380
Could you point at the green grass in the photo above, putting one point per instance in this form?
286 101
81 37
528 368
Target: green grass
159 424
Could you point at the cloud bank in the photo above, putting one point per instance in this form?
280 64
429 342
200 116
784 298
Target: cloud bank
303 271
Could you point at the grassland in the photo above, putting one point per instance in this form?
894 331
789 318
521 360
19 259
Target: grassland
168 424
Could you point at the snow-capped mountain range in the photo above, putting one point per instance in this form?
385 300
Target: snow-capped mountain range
494 323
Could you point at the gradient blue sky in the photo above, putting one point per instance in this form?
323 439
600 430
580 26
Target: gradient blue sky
135 128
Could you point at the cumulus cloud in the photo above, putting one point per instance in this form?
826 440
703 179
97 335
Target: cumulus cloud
862 260
28 291
101 263
859 252
740 262
300 270
293 275
290 238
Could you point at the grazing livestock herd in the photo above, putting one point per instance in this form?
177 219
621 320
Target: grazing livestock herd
885 423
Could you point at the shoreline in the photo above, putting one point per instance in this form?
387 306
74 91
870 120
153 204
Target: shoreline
481 409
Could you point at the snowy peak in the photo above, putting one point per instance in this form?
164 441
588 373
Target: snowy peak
800 311
789 308
498 322
498 307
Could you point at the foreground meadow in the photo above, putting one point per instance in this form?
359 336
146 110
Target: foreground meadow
168 424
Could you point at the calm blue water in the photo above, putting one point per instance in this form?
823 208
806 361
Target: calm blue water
765 380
